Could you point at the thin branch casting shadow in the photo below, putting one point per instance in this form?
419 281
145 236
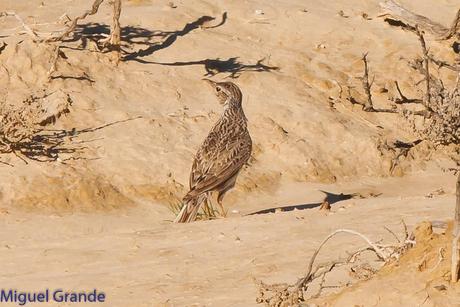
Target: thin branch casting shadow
79 78
149 41
171 37
46 145
331 198
224 19
218 66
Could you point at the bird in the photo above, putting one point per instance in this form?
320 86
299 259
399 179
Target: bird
221 156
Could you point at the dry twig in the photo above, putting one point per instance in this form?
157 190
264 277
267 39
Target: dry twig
395 11
74 22
291 295
368 106
54 60
426 61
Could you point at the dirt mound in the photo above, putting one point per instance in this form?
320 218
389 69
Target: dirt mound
298 135
72 193
420 277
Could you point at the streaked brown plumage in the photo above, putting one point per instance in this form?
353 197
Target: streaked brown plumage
223 153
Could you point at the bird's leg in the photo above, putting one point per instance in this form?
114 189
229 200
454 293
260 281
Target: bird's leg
223 212
208 208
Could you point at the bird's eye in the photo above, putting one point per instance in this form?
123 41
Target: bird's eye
218 89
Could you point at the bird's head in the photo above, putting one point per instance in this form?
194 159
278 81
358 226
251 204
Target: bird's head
227 93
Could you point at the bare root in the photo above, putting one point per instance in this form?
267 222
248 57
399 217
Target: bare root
71 28
395 11
112 43
292 294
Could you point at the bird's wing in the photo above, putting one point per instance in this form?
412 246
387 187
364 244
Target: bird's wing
218 159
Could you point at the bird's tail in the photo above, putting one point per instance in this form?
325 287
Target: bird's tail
189 210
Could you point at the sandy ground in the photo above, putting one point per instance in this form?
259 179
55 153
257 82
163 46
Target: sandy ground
140 260
99 217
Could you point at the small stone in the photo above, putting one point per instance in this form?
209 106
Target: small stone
342 14
365 16
440 288
321 46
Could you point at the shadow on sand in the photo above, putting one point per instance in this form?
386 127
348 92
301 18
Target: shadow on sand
331 198
230 65
138 42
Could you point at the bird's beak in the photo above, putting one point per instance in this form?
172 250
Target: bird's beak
210 82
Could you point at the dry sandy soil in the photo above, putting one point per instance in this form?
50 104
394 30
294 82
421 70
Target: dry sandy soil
99 217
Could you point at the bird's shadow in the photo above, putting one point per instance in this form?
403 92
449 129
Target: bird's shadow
331 198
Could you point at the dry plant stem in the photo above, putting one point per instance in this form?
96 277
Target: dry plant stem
368 106
53 67
456 237
454 27
115 30
397 12
442 64
392 233
367 86
291 295
426 61
73 25
404 99
303 281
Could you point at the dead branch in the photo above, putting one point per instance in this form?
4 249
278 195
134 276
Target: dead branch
454 27
403 98
398 149
6 163
54 60
113 41
444 64
115 30
74 23
304 281
441 112
368 106
426 60
394 10
442 105
291 295
392 233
